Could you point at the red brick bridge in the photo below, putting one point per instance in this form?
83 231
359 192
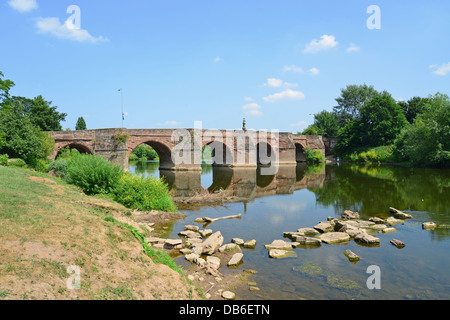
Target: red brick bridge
180 149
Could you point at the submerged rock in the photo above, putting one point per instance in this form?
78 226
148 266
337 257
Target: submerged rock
307 241
278 254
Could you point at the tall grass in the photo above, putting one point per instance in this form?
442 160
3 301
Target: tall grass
93 174
144 194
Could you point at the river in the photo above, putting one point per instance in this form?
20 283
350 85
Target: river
303 196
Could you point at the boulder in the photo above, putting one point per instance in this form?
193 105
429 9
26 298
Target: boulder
213 243
334 237
229 247
325 226
377 220
278 254
235 260
367 239
348 215
307 241
191 228
389 229
351 256
429 225
311 232
189 234
400 214
250 244
397 243
214 262
205 233
393 221
238 241
228 295
279 245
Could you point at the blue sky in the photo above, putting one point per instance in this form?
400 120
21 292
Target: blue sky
273 62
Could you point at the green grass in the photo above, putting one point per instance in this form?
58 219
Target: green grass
382 154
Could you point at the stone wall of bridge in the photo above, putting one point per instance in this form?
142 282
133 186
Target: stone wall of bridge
234 148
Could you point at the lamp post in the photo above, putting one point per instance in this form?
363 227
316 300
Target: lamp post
123 115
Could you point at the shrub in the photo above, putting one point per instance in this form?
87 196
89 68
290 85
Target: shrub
4 160
19 163
144 194
40 165
314 156
93 174
59 166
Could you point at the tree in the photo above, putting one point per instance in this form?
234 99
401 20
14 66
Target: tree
22 139
325 124
413 107
81 124
350 102
427 141
5 86
381 119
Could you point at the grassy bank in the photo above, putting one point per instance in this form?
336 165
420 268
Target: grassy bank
47 225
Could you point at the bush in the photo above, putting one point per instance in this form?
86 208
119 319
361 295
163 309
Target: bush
4 160
59 166
93 174
40 165
144 194
378 154
19 163
314 156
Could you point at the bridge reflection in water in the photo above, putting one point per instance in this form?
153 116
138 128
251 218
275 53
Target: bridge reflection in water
235 183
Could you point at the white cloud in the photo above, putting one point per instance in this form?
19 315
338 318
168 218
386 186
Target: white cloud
252 109
276 83
326 42
217 59
441 70
273 83
293 68
288 94
314 71
66 30
353 48
302 124
23 5
248 99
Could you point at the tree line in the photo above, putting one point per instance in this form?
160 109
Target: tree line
25 125
373 126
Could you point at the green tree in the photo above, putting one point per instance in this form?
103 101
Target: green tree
22 139
325 124
381 119
413 107
352 99
81 124
427 141
5 86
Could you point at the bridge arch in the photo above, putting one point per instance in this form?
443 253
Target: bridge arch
164 152
300 155
221 153
264 153
80 146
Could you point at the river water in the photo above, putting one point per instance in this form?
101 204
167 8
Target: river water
303 196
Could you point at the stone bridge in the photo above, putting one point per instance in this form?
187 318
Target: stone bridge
180 149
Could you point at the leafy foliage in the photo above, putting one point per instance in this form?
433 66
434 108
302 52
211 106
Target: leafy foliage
427 141
93 174
144 194
314 156
325 124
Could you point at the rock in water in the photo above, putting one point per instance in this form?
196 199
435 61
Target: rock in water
228 295
350 215
398 243
351 256
213 243
334 237
399 214
429 226
277 254
367 239
235 259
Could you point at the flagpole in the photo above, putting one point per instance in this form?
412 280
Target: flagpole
123 116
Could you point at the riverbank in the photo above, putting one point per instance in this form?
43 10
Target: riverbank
46 226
